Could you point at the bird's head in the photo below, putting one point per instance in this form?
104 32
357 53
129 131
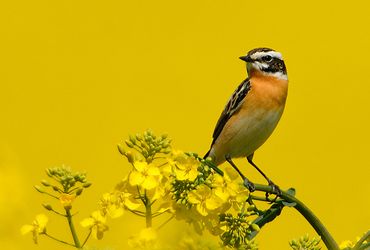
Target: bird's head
266 61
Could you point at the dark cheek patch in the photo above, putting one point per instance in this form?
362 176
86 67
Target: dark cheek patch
276 65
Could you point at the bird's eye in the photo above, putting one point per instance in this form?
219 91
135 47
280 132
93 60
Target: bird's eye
267 58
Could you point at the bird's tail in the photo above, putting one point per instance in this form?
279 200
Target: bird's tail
207 154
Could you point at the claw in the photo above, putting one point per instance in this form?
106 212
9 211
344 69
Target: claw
275 190
249 185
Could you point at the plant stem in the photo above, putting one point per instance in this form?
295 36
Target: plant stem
308 214
72 227
148 212
61 241
87 238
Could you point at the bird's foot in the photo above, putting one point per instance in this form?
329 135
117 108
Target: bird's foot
275 190
249 185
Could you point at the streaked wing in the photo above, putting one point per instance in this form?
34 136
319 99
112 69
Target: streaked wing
231 107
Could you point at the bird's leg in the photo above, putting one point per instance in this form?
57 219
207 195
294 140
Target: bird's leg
275 188
247 183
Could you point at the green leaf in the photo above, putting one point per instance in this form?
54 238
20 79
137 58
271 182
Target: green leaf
291 191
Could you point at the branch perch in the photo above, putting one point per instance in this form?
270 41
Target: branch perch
320 229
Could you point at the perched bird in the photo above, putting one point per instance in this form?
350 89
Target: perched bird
252 112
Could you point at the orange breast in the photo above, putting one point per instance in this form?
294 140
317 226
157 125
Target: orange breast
267 92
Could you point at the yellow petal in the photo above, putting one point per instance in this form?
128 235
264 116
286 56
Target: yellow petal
203 190
345 244
41 220
136 178
213 203
97 216
140 165
201 208
150 182
131 204
153 171
193 198
193 174
180 175
88 222
222 194
115 212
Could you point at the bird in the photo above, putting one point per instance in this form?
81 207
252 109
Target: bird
252 112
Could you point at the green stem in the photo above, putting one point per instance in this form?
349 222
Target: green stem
61 241
308 214
148 212
72 227
87 238
56 212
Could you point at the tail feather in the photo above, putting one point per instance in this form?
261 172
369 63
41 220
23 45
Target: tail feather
207 154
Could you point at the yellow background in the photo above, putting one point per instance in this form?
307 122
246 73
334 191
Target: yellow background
78 76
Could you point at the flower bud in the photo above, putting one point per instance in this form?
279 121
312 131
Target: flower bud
132 139
255 227
121 149
139 137
251 208
130 157
87 184
79 191
48 172
167 151
45 183
39 189
55 188
294 243
305 237
129 144
47 206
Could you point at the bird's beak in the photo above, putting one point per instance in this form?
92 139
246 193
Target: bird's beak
246 58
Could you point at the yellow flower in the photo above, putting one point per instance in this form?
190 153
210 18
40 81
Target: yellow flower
97 224
146 239
114 203
204 199
184 167
145 175
229 188
38 227
346 244
111 205
66 200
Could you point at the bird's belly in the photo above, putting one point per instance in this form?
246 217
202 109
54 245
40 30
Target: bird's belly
247 134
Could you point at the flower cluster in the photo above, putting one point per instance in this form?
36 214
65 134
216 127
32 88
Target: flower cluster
360 243
163 181
183 185
68 185
37 227
305 243
64 186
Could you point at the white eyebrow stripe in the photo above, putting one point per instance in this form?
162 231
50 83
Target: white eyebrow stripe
260 54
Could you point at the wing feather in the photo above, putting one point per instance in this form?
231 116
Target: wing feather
234 103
